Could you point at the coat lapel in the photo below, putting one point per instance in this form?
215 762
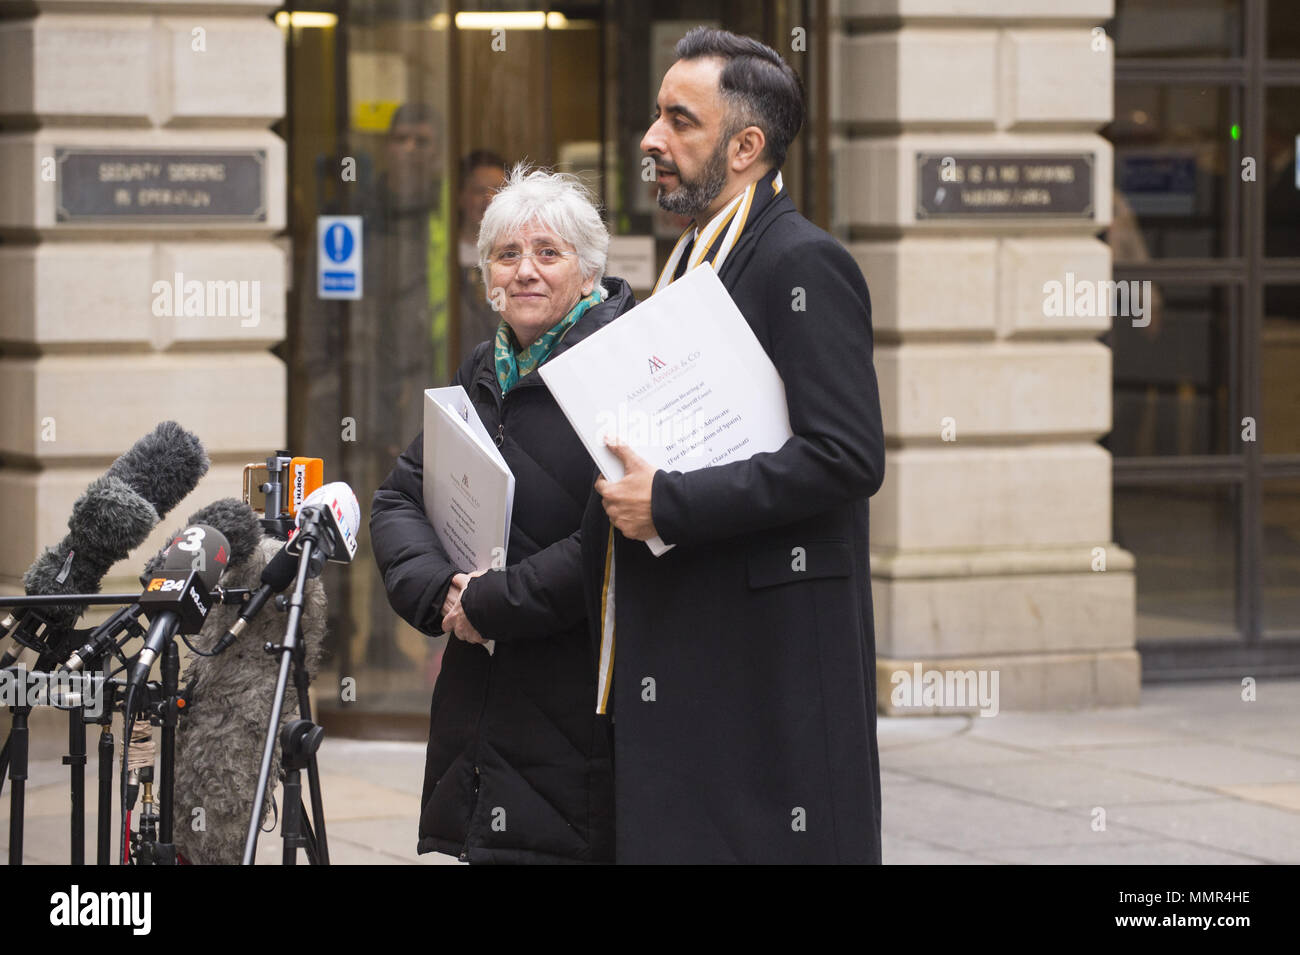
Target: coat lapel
734 266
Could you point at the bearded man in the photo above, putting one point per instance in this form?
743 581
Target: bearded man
739 667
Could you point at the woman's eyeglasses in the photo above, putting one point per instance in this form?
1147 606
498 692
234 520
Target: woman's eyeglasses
511 258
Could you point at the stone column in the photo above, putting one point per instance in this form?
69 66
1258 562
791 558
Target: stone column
93 353
991 537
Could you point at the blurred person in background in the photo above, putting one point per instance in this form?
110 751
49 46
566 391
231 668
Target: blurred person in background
367 361
482 173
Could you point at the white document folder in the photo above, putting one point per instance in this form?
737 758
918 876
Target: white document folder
469 490
680 378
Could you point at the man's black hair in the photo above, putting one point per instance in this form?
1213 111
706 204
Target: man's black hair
477 159
759 87
416 113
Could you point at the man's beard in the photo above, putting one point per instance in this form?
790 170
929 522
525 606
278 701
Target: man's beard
692 198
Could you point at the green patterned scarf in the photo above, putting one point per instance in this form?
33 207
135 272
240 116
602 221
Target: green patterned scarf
513 363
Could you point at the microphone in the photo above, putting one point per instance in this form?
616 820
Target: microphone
108 522
334 508
277 574
177 599
163 467
219 742
104 637
232 517
332 516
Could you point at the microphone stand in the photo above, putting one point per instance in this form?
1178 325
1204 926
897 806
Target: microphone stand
104 812
76 759
15 755
163 851
301 738
159 704
15 760
13 763
150 846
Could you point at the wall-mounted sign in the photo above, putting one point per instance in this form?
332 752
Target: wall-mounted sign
1021 185
1159 182
338 257
174 185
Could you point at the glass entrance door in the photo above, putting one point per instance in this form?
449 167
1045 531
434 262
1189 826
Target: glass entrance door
1206 438
406 114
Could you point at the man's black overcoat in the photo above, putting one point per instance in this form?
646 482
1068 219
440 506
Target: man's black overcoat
744 699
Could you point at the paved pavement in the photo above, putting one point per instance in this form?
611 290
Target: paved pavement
1193 775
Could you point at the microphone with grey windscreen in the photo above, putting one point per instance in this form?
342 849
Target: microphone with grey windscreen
112 518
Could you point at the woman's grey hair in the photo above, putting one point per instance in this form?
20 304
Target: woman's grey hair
558 202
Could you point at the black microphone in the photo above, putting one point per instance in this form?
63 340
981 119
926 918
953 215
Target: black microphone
104 637
108 522
233 518
243 529
177 599
280 571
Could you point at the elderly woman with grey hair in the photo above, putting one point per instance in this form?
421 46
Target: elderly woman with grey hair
518 764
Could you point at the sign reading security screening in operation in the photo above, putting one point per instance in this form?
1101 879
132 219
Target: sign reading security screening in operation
338 257
159 186
978 185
